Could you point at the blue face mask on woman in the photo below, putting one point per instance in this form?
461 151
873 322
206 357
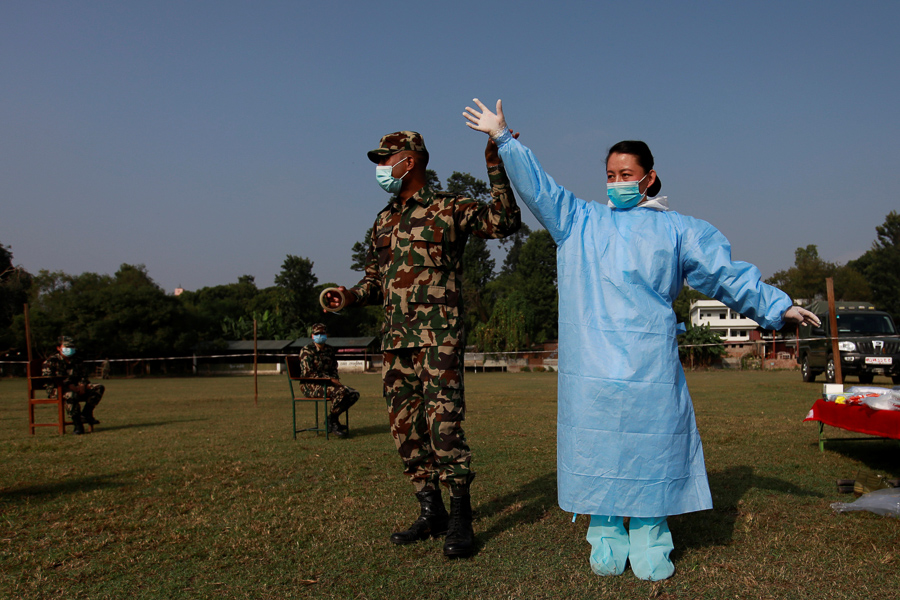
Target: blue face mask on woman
625 194
385 177
68 351
320 338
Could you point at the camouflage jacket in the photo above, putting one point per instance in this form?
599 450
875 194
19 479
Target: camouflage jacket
317 363
65 371
414 264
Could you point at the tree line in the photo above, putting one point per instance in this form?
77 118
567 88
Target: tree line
510 308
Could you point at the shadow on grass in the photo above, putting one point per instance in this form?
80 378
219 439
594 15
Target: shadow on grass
369 430
526 505
69 486
101 428
716 527
878 455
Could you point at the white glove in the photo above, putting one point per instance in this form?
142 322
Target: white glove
484 120
801 316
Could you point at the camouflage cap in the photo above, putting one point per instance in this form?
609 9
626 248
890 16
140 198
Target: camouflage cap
319 328
65 340
396 142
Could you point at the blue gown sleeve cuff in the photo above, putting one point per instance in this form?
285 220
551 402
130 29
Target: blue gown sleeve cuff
503 138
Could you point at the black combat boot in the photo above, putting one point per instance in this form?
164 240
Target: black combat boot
431 522
460 540
335 427
87 415
77 426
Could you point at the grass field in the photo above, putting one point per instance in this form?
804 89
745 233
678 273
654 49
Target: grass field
189 490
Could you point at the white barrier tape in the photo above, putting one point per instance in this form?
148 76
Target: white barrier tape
783 340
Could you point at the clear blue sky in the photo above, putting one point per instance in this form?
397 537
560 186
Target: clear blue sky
209 139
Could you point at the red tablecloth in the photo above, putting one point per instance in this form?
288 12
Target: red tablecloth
862 419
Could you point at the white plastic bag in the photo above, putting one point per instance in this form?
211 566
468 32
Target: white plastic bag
881 502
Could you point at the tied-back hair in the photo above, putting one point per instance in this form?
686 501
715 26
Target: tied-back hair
641 151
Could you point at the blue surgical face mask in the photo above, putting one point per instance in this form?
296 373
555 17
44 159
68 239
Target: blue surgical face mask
68 351
320 338
385 177
625 194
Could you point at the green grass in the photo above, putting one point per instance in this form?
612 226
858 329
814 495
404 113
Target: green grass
189 490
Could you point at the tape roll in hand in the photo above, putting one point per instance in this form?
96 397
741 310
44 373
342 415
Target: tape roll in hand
325 304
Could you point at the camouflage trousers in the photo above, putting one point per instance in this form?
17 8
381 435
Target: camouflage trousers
90 398
423 388
342 397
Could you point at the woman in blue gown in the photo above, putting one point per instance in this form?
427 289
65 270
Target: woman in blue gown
627 441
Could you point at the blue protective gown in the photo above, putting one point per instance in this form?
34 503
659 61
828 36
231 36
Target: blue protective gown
627 439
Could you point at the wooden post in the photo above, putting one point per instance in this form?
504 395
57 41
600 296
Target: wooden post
255 374
27 341
832 321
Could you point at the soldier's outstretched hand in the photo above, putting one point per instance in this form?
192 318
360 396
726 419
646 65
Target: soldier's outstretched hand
482 119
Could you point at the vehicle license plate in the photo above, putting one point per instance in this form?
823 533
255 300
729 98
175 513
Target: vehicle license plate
878 360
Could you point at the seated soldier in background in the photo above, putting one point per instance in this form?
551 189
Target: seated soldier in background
68 372
318 359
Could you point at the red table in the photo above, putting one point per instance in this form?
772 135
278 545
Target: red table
861 419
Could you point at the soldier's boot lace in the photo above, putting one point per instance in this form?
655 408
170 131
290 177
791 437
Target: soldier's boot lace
432 519
460 540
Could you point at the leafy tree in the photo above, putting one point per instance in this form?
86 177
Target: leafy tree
209 307
507 328
478 271
513 244
851 284
297 283
700 346
269 326
432 180
464 184
536 277
126 315
359 253
682 304
806 279
14 285
881 265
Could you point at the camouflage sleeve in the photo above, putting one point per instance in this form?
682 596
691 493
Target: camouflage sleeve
497 219
332 364
309 368
307 364
369 288
79 374
49 368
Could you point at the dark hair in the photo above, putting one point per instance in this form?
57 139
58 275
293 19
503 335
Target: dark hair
641 151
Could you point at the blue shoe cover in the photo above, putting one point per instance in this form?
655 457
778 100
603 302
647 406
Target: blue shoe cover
651 543
609 545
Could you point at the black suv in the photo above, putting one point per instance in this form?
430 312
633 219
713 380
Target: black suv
867 341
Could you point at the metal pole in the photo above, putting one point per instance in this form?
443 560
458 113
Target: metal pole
832 321
255 374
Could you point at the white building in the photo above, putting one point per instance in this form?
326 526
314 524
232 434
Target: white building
737 331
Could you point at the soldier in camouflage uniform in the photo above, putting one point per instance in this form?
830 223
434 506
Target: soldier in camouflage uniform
414 268
69 372
318 359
